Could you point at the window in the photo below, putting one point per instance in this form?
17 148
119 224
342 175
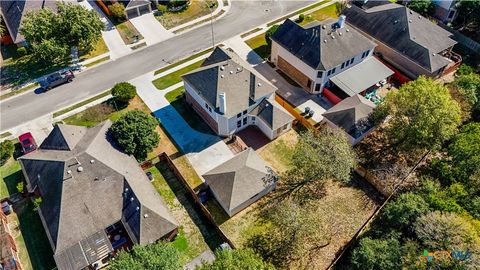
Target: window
351 60
245 121
364 54
317 87
244 112
206 105
343 65
239 123
333 70
210 109
450 15
319 74
329 72
239 115
309 83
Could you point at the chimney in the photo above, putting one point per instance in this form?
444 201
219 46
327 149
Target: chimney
341 21
222 99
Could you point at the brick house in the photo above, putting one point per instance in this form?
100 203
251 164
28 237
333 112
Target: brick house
230 96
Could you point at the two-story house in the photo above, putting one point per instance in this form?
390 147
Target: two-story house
230 95
327 54
408 41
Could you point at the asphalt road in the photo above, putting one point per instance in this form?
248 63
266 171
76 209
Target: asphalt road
243 15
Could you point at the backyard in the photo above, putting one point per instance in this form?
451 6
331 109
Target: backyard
196 9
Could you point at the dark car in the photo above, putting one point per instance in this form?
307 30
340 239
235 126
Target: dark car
27 142
56 79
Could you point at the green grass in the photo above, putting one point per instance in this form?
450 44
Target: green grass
322 14
191 57
5 134
259 45
196 9
200 22
98 61
250 32
162 187
11 174
128 32
80 104
99 49
303 10
175 77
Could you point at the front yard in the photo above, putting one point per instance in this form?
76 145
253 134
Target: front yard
259 45
331 11
196 9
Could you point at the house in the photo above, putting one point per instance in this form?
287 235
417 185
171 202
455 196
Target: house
406 40
230 95
13 13
135 8
9 259
240 181
328 54
95 199
353 115
445 10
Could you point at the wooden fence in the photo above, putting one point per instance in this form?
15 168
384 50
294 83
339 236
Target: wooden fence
298 115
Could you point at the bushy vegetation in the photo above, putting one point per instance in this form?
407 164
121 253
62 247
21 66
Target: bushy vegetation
6 151
124 92
154 256
118 11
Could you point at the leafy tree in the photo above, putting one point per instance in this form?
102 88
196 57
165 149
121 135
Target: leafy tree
118 11
423 115
154 256
55 32
296 233
437 197
402 213
468 14
377 254
135 133
464 69
239 259
317 157
424 7
6 151
469 86
270 33
124 91
465 151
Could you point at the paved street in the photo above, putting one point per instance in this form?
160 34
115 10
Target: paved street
243 16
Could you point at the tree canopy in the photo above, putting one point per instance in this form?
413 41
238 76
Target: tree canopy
6 151
424 7
238 259
465 151
118 11
317 157
270 33
52 34
377 254
135 133
468 14
423 115
154 256
124 91
469 85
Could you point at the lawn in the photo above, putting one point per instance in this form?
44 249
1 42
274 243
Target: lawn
259 45
98 61
11 174
128 32
165 68
196 9
200 22
170 79
296 13
278 153
99 49
80 104
327 12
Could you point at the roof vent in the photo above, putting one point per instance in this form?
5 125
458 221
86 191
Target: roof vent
231 71
259 84
419 16
410 21
340 33
348 30
126 189
145 216
333 37
96 178
222 68
324 26
92 161
239 69
137 208
324 41
69 171
411 12
434 54
131 199
222 76
80 169
396 21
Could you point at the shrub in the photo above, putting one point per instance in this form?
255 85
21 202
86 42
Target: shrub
118 11
6 151
301 18
162 8
270 33
20 187
21 51
124 92
36 203
464 69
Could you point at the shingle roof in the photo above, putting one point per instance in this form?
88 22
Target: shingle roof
239 178
223 71
352 114
405 31
272 113
322 45
78 204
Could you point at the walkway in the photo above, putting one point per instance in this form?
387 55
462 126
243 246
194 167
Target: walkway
204 151
151 29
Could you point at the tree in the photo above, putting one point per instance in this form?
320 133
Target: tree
377 254
423 115
270 33
468 14
317 157
465 152
6 151
239 259
154 256
295 234
135 133
402 213
469 86
118 11
424 7
124 92
55 32
464 69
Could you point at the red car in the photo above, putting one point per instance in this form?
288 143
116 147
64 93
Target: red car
27 142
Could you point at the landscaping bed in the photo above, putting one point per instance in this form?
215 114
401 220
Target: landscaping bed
196 9
128 32
173 78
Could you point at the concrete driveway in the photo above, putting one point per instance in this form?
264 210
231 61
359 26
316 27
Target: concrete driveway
151 29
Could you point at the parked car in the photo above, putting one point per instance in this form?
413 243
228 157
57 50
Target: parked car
56 79
6 208
28 142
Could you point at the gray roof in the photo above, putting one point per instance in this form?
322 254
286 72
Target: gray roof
352 114
322 45
78 204
224 71
405 31
362 76
272 113
134 3
239 179
14 11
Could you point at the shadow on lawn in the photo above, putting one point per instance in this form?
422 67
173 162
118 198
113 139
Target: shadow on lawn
207 230
12 180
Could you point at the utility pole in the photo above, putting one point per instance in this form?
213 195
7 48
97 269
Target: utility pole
211 22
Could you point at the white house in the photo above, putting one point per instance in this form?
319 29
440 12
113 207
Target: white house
230 95
323 54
